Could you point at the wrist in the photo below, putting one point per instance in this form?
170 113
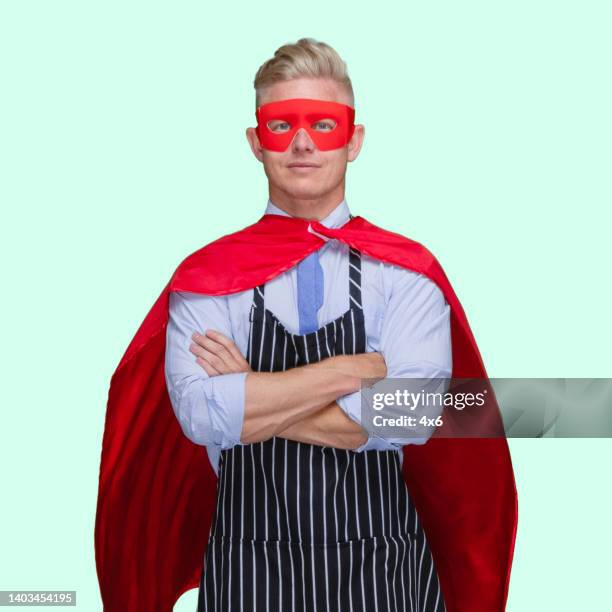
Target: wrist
344 383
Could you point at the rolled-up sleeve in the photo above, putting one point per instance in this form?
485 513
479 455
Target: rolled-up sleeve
210 409
415 342
351 404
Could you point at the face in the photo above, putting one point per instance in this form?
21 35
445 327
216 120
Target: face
329 124
306 160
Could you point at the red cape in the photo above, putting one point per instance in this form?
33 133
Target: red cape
157 489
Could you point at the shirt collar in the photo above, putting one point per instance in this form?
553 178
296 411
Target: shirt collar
336 218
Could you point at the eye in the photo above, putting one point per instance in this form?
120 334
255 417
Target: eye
324 125
278 126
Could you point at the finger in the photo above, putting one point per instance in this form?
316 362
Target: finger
220 352
221 349
198 338
222 344
223 363
226 350
203 345
197 349
215 361
208 343
227 343
210 357
207 367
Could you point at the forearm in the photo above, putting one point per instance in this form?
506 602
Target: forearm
329 426
363 365
277 400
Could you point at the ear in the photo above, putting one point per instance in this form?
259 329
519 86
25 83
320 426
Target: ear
254 143
354 144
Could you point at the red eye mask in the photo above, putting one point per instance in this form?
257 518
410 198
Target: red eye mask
305 113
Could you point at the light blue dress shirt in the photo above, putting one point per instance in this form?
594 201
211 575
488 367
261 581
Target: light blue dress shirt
406 317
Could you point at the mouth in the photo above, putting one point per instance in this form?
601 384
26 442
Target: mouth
302 166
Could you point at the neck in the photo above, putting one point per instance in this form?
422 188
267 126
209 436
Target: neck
307 208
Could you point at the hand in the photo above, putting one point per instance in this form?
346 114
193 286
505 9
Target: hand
217 354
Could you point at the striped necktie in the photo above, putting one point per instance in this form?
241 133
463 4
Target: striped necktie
310 292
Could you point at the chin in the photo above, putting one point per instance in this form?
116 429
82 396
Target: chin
305 192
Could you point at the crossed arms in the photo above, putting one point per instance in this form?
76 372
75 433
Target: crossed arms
298 404
219 401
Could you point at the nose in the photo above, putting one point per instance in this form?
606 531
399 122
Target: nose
302 141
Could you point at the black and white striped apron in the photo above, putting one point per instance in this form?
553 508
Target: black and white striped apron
305 528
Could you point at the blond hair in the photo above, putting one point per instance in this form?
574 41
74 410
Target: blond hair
305 58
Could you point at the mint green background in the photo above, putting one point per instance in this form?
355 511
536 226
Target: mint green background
123 150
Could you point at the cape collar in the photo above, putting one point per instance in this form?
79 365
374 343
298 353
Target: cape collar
336 218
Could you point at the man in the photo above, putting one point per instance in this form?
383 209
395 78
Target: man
280 416
311 512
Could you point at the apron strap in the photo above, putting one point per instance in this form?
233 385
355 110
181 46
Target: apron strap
258 296
355 278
